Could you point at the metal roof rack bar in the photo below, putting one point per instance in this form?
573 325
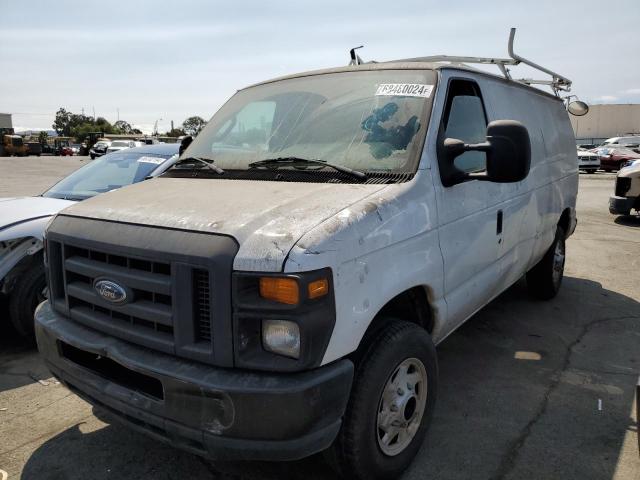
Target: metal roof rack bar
557 83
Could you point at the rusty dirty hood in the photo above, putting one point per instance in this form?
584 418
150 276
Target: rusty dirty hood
266 218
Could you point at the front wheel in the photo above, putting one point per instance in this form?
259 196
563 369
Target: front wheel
28 291
545 278
391 404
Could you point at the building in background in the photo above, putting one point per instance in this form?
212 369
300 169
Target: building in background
6 124
606 121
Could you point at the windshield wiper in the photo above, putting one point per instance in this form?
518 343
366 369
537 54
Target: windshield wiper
276 162
207 162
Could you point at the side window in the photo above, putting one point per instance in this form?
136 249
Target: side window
465 119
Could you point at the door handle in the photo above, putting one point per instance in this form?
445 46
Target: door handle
499 223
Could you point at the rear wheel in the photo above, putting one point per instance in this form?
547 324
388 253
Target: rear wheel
545 278
27 293
391 404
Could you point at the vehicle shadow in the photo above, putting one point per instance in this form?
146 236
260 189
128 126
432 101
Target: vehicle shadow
19 361
628 220
527 390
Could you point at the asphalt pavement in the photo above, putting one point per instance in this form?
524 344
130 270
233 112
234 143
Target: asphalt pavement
528 389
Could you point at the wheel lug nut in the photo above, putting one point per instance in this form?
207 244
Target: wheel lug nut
400 391
409 387
394 408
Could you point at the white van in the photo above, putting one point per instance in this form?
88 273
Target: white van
281 290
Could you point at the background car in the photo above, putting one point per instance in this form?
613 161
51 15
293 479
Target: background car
623 141
99 148
613 158
23 221
118 145
588 161
626 196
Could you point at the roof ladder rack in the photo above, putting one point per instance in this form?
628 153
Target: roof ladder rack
557 83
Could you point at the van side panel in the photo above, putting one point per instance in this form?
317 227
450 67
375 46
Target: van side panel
532 208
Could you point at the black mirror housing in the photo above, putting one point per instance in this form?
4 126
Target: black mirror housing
508 150
184 143
509 154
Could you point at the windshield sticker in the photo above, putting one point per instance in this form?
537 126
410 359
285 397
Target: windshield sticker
154 160
405 89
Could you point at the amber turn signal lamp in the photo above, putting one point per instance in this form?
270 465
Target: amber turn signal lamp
283 290
318 288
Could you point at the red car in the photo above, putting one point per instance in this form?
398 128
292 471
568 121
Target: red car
613 158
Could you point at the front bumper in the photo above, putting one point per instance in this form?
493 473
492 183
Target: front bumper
620 205
214 412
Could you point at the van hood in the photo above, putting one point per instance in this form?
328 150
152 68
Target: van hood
266 218
17 210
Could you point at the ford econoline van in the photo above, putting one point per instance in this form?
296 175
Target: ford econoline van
282 289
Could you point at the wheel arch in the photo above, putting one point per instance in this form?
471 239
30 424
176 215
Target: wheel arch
567 221
17 260
413 305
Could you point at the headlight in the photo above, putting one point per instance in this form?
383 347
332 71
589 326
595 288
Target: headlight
281 337
282 322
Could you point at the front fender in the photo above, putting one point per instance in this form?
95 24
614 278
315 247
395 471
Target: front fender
27 229
19 241
11 253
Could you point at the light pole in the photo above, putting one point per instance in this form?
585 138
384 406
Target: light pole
155 127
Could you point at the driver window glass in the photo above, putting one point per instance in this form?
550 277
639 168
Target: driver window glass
465 120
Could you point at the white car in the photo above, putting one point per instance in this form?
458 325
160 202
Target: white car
22 221
623 141
118 145
588 161
284 291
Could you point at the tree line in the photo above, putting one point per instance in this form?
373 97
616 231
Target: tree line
78 125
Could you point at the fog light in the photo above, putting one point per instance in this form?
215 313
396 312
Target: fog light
281 337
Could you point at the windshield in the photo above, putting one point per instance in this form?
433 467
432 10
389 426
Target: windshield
110 172
368 121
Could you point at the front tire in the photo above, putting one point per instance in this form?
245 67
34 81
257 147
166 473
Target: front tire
391 404
545 278
26 294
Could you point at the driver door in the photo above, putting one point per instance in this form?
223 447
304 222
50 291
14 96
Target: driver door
469 215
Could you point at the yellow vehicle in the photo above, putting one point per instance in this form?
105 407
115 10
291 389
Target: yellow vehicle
13 145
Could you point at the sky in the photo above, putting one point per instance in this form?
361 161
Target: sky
146 61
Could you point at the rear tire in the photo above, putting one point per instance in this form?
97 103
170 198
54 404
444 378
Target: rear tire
27 293
391 404
545 278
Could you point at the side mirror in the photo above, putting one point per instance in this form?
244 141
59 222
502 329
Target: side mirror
508 150
184 143
578 108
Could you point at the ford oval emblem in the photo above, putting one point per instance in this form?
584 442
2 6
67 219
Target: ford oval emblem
110 291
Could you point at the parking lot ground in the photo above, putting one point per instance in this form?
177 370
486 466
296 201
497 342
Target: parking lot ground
528 389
